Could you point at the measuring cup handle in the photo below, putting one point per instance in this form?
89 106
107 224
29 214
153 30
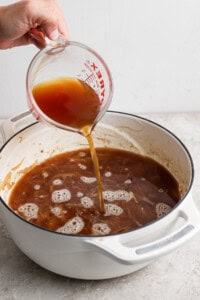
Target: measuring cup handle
42 41
11 126
113 247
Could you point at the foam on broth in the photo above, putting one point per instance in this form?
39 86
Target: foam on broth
137 191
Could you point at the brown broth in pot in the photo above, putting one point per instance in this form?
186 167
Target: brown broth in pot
61 193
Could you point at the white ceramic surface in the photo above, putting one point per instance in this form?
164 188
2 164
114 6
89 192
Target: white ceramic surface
174 276
111 256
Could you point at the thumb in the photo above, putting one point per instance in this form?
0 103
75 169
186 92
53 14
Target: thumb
51 31
53 35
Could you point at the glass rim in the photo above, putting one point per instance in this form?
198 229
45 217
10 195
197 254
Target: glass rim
35 109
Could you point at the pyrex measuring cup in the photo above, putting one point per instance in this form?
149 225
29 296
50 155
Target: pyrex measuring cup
73 60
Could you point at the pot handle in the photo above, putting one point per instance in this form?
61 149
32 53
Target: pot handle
113 247
11 126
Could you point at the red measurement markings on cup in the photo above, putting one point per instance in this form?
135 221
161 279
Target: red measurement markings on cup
92 75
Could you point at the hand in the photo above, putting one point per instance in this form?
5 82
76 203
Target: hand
17 20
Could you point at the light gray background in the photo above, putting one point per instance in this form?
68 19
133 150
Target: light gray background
152 48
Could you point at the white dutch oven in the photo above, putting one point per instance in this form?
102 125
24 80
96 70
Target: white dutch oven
108 256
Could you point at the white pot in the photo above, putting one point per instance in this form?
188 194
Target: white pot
108 256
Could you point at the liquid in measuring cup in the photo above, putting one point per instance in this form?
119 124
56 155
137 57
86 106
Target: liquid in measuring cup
73 103
68 101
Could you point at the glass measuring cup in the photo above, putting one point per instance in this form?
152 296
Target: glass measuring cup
68 59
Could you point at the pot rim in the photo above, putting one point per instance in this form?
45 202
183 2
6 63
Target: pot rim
82 237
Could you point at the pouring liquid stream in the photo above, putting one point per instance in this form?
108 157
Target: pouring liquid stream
96 168
73 103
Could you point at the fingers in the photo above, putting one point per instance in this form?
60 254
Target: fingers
54 26
19 18
50 29
37 38
53 31
62 25
54 22
63 29
37 35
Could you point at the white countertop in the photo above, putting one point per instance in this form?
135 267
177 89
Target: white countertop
175 276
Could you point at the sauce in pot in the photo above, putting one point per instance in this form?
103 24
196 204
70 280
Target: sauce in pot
61 193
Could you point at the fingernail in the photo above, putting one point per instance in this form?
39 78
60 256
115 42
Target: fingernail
54 34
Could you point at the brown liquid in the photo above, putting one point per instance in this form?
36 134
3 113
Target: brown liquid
61 193
68 101
96 172
73 103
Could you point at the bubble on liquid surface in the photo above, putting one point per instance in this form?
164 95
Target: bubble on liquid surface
108 174
82 167
112 210
45 174
30 210
79 194
162 209
36 187
87 202
88 179
100 229
73 226
128 181
56 211
60 196
117 195
57 181
82 154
